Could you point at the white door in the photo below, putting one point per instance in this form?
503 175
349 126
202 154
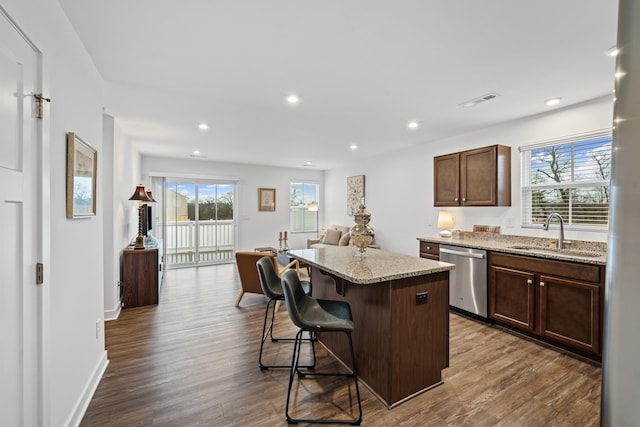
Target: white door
20 300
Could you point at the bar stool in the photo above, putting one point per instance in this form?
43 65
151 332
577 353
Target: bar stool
272 287
317 315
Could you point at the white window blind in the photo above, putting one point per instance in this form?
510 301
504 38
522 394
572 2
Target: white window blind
569 176
301 219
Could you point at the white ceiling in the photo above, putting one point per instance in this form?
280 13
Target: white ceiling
362 68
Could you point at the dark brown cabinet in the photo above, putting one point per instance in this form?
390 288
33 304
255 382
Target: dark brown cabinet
570 312
555 301
430 251
479 177
511 297
141 277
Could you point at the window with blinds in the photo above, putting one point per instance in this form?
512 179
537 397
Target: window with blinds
569 176
303 207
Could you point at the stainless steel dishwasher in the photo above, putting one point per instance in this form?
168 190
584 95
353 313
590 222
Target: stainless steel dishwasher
468 281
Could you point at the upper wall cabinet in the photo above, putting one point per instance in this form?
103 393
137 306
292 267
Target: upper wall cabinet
480 177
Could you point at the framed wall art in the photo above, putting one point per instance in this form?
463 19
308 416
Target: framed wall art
267 199
355 193
82 164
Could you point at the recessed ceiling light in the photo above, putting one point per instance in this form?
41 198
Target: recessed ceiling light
308 163
293 99
203 126
353 147
552 101
619 74
196 155
612 51
413 125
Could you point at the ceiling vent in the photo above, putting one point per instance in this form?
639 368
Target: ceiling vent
476 101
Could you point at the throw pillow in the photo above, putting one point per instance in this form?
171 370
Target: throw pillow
344 240
332 237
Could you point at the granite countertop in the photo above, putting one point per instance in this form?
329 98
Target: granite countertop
376 266
583 251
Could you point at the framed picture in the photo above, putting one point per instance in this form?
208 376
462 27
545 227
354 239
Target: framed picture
267 199
355 193
82 164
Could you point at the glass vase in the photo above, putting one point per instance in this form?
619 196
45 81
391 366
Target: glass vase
362 233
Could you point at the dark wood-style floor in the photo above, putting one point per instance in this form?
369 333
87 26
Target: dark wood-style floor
192 361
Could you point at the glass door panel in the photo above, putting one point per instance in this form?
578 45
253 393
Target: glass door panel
200 222
180 241
216 222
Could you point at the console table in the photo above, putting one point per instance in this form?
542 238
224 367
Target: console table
142 272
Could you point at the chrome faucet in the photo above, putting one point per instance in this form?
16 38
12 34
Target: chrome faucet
545 227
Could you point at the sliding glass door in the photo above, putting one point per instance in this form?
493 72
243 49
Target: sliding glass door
199 222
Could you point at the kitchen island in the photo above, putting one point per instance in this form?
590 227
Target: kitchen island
400 308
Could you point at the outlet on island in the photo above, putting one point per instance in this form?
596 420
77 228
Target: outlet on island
422 297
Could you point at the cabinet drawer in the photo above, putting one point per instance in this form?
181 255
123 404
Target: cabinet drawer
430 250
570 270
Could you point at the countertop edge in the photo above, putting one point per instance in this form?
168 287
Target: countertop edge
441 267
503 248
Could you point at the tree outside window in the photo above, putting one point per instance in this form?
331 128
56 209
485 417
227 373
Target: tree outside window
570 177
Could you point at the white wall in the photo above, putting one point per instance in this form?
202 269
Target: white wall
255 228
111 266
399 185
75 358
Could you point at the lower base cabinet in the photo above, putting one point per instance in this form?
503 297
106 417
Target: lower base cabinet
141 275
558 302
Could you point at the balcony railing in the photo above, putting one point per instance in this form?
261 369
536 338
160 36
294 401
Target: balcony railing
215 241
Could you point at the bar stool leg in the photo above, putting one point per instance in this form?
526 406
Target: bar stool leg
269 333
295 370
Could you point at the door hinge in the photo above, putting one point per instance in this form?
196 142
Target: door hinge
39 273
39 99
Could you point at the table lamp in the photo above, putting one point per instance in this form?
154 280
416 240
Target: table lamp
141 196
446 221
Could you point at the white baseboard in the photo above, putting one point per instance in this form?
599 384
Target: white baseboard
113 313
87 394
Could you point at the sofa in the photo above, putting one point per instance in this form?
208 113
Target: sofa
334 235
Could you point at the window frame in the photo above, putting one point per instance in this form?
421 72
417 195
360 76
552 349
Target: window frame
315 221
527 187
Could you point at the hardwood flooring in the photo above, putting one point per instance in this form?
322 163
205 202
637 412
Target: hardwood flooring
192 360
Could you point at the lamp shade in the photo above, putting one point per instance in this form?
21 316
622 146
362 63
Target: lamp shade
312 207
150 196
140 194
446 221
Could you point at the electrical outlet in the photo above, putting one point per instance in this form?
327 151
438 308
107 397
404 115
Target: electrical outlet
422 298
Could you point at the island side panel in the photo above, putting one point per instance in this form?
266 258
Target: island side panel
420 333
371 311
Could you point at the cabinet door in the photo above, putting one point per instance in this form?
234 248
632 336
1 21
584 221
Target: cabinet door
446 180
570 312
478 177
511 297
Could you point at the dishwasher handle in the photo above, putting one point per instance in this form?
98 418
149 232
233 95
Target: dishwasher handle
464 254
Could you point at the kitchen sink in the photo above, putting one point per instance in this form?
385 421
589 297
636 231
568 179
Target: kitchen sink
574 252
